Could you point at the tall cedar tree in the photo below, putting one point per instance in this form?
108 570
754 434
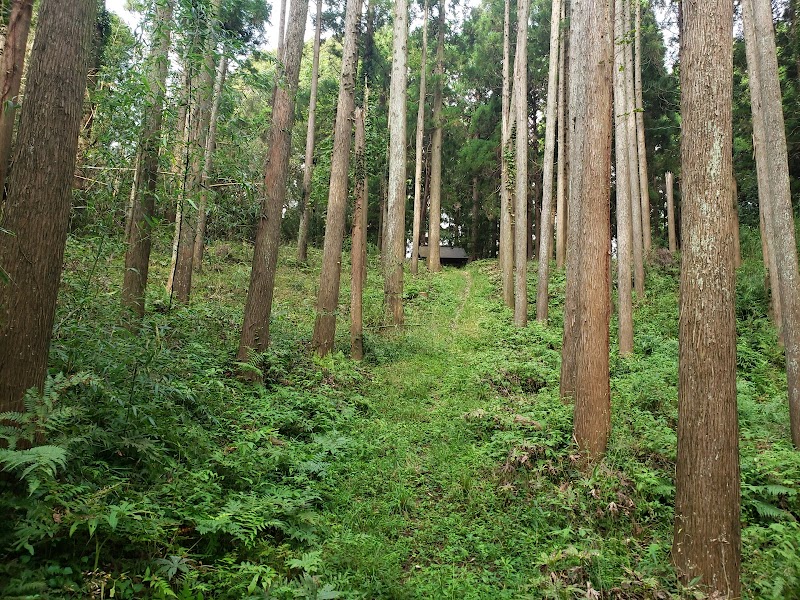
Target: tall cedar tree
561 184
669 182
358 248
395 248
546 237
137 253
768 109
506 250
521 174
36 215
186 226
330 276
644 188
12 65
623 188
258 307
593 110
435 218
418 158
707 542
308 166
211 143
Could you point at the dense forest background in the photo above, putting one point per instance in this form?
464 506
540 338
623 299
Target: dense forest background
164 457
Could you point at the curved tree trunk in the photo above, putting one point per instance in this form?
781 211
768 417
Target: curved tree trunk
137 254
707 542
39 194
417 226
521 175
546 228
11 68
211 141
258 307
308 167
330 277
395 254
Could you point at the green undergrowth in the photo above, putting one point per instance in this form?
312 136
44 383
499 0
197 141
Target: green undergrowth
442 466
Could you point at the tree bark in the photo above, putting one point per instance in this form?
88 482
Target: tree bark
644 188
768 108
186 224
39 193
545 243
258 307
11 68
633 160
330 277
308 167
358 248
561 185
576 135
137 254
435 218
396 229
281 49
506 248
624 224
670 185
418 159
211 141
707 542
521 175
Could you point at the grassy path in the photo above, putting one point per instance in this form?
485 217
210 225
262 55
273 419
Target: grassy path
417 513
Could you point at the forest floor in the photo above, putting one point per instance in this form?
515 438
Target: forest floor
442 466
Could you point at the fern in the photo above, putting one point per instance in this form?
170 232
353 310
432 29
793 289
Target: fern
31 464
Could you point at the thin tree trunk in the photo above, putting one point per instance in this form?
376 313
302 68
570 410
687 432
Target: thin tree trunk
762 170
281 50
358 248
382 217
669 180
11 68
39 194
476 209
737 249
419 145
644 188
258 307
137 254
308 167
561 185
592 416
624 225
707 542
521 175
330 276
545 243
396 229
211 141
435 219
186 225
633 160
506 248
779 199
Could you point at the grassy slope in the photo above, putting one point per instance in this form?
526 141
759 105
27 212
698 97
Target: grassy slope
442 467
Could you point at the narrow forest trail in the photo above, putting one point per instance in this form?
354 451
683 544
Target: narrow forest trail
417 512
